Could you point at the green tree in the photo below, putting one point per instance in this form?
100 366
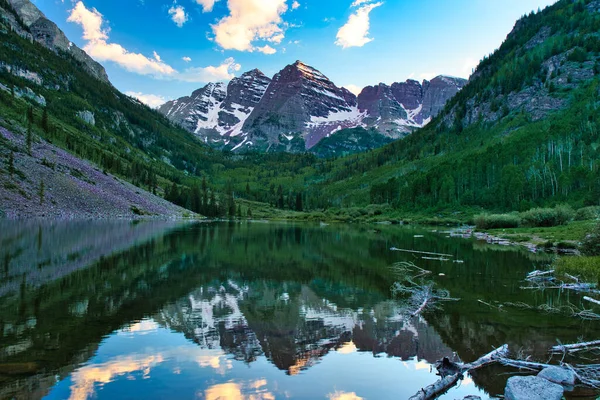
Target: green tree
45 123
299 202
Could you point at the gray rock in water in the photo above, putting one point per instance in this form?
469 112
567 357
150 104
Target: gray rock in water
472 398
87 116
559 375
532 388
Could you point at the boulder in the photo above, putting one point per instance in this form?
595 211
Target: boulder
559 375
532 388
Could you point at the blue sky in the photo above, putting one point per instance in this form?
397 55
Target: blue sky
142 43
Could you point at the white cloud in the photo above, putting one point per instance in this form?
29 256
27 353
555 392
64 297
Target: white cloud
151 100
355 32
90 21
178 15
207 5
186 59
354 89
97 47
423 75
266 49
468 67
249 21
295 5
225 71
359 2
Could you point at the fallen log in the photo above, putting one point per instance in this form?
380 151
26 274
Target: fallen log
421 252
538 273
561 348
522 364
591 300
438 388
446 382
489 358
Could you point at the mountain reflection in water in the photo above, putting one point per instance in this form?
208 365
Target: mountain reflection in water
249 310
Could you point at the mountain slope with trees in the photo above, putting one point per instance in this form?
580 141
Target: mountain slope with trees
522 133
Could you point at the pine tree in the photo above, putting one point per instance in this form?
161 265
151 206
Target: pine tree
299 202
212 205
230 201
45 124
204 197
196 199
249 213
30 115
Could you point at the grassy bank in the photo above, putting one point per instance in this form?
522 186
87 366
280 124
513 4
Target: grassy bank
573 232
586 268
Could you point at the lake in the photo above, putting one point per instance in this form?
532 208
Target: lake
257 310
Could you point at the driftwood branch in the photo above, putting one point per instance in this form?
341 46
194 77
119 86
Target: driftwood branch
537 273
438 388
576 346
448 381
427 297
421 252
591 300
489 358
521 364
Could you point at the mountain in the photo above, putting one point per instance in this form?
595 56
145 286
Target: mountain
300 106
217 111
301 102
522 133
399 109
31 23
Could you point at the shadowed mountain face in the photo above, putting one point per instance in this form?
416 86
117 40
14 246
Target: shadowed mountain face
300 106
49 35
194 306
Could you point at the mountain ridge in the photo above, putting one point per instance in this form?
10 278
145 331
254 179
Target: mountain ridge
300 106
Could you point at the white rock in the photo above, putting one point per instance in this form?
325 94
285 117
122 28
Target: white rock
532 388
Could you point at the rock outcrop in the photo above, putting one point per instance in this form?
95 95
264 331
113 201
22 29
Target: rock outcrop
399 109
218 111
48 34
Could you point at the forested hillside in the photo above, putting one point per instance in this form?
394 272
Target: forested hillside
523 132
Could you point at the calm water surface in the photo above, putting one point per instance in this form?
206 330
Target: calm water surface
254 310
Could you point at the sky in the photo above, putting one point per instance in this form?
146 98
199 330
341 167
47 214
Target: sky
158 50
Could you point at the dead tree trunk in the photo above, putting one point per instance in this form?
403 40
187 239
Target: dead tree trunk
438 388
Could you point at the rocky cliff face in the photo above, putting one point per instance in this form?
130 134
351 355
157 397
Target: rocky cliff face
399 109
300 106
218 111
49 35
301 102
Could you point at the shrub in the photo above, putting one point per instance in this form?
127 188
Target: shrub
591 244
587 213
495 221
546 217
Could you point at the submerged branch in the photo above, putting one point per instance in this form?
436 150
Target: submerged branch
421 252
